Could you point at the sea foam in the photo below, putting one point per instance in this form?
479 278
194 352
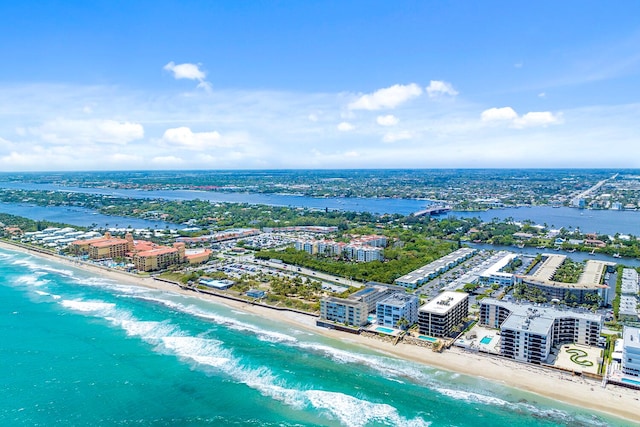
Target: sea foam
356 412
34 266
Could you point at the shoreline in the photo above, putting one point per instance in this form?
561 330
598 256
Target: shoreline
565 387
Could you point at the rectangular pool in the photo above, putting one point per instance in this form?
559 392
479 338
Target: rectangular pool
384 330
486 340
427 338
628 381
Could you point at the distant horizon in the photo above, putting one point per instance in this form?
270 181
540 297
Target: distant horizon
602 169
157 85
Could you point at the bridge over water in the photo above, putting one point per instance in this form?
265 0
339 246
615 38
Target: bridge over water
433 210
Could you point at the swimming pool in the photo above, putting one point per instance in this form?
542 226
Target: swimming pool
628 381
427 338
384 330
486 340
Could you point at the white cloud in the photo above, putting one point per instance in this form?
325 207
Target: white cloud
388 120
345 127
121 158
389 97
167 160
313 117
498 114
542 95
538 118
437 88
190 72
66 131
253 133
532 119
397 136
186 138
185 71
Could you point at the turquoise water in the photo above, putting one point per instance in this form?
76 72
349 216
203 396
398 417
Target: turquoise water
427 338
384 330
629 381
485 340
84 351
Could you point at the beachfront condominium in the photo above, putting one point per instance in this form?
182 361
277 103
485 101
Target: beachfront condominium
354 310
442 315
432 270
631 351
528 332
589 288
349 312
398 310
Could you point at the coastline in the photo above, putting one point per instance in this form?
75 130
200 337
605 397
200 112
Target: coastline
564 387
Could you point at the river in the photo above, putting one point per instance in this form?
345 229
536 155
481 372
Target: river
587 221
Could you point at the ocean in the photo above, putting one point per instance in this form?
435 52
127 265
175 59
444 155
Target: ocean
78 349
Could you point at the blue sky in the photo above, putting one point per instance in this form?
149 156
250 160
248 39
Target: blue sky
318 84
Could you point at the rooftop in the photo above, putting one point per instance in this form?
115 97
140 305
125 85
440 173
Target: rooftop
104 243
591 277
630 281
157 251
548 268
499 264
398 299
533 320
436 265
444 302
542 311
631 337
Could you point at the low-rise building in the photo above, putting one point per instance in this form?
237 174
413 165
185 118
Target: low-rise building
440 316
630 282
495 274
628 309
432 270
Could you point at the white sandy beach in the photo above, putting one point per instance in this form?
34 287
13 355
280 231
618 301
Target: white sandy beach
552 384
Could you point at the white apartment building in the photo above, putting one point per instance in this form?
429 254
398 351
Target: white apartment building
528 332
395 307
631 351
495 275
350 312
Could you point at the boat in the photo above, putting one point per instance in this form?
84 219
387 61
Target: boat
593 252
617 255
